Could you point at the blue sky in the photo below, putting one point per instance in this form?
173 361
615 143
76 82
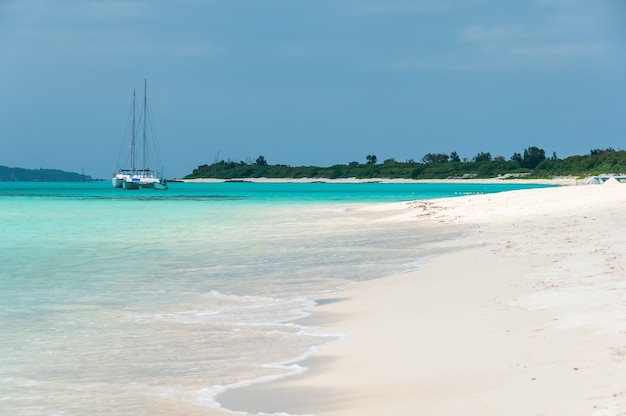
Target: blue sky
309 82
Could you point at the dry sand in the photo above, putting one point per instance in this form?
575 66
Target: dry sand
527 316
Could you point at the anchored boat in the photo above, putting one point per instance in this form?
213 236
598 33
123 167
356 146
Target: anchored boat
134 177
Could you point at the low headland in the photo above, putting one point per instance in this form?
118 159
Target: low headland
8 174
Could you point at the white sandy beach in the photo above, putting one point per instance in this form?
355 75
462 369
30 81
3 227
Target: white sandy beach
526 316
555 181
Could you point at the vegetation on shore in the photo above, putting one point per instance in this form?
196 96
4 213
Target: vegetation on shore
532 163
40 175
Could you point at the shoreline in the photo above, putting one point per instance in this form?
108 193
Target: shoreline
563 181
526 315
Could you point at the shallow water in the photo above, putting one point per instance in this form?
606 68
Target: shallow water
150 303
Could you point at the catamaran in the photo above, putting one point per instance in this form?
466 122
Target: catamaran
134 177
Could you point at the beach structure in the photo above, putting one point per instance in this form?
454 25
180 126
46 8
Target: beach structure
599 180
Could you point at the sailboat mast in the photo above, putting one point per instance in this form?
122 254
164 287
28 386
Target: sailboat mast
132 140
145 119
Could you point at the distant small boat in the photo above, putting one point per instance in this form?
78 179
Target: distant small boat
144 177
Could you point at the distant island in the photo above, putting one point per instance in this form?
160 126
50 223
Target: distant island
40 175
532 163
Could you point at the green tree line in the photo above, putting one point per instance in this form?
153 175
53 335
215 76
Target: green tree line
532 163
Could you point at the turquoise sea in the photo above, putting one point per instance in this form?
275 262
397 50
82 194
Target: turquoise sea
153 302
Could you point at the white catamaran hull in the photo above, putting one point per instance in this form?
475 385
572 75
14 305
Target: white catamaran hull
138 181
119 179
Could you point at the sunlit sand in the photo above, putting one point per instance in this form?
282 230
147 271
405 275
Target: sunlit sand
525 315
